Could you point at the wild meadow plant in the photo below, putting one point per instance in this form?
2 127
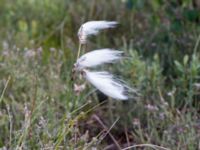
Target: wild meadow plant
38 109
105 82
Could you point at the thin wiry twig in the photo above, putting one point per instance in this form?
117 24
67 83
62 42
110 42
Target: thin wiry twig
126 133
100 136
156 147
10 124
107 130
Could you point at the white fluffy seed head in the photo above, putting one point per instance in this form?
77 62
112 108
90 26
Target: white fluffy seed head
93 28
98 57
109 85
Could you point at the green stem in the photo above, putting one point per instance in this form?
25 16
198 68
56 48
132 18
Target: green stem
4 90
196 45
79 50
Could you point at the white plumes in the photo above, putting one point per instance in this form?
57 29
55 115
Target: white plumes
108 85
98 57
103 81
93 28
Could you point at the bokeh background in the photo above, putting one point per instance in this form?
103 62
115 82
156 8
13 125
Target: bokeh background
38 46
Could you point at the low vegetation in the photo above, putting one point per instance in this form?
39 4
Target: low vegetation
39 43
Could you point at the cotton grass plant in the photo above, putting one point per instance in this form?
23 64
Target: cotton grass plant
97 57
105 82
92 28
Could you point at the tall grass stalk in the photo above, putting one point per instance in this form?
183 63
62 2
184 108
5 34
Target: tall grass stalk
67 128
4 90
196 45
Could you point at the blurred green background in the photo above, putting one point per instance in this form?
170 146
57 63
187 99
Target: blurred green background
38 46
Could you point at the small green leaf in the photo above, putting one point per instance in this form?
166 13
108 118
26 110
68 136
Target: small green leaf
179 66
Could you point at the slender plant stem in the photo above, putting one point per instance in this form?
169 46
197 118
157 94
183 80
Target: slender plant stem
79 50
196 45
108 130
147 145
4 90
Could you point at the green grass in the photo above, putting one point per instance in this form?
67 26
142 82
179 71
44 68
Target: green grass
38 108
